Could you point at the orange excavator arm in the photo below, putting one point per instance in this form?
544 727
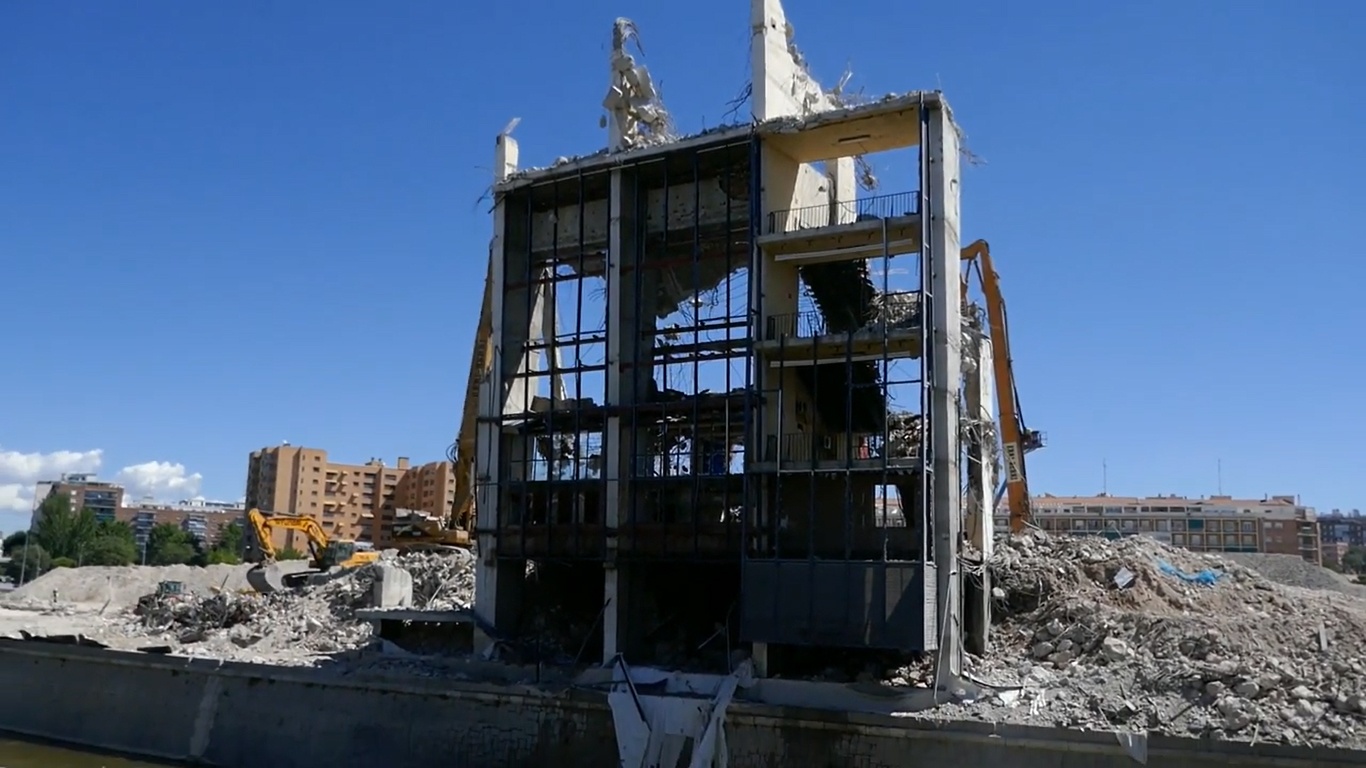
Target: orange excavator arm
1016 439
481 360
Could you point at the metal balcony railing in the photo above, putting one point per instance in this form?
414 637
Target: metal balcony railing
828 214
896 311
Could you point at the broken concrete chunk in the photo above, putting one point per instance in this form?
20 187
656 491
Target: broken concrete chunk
1115 649
393 587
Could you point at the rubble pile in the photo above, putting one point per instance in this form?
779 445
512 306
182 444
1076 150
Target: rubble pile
441 580
295 626
1135 635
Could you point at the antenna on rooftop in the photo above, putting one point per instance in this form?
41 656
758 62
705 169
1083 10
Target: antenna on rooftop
1221 476
1104 477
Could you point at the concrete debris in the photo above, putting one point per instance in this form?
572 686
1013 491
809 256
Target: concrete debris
803 87
636 116
896 311
210 619
904 431
1241 658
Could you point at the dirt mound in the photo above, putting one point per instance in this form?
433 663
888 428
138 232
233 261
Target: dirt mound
121 586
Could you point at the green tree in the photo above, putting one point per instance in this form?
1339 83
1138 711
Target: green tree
63 562
28 563
113 544
169 545
231 539
290 553
1355 560
62 531
13 540
228 548
111 550
117 529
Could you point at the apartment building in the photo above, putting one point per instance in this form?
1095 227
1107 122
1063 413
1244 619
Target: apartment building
1347 528
84 492
203 520
352 501
1276 524
1334 553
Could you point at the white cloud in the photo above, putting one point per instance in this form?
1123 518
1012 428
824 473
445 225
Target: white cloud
15 498
160 479
29 468
19 472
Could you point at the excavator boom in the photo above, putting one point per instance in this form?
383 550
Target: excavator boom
481 360
1016 440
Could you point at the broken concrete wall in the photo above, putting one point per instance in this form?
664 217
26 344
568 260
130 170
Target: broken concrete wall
559 228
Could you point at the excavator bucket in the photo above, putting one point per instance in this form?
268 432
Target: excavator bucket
266 578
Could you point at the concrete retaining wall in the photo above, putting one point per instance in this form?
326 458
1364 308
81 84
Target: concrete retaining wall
243 716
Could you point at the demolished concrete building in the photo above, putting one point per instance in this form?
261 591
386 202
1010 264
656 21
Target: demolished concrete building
708 389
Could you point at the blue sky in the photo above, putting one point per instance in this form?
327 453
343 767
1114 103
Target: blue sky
223 225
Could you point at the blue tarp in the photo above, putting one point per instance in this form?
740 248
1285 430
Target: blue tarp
1205 578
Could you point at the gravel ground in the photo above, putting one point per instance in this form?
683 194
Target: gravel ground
1293 571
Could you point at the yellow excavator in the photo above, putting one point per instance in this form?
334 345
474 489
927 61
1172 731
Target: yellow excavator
1016 439
328 558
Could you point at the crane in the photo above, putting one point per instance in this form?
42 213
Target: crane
328 557
1016 439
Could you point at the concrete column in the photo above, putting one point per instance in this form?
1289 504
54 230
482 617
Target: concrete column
980 394
617 442
491 397
843 190
940 154
781 87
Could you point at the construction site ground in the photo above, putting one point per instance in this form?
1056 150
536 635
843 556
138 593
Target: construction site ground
1090 634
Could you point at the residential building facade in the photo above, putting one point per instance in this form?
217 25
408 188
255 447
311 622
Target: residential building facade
201 519
349 501
85 492
1347 528
1334 553
1276 524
